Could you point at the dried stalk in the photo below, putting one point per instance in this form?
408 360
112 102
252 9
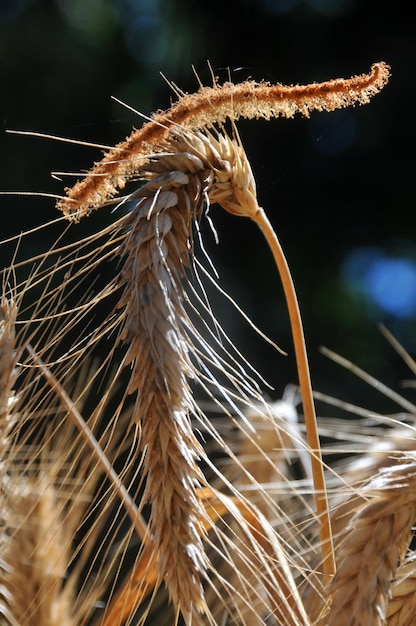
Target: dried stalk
306 391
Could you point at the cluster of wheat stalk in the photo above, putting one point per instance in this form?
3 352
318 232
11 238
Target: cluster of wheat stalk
145 476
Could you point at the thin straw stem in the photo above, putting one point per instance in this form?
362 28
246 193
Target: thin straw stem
321 498
92 443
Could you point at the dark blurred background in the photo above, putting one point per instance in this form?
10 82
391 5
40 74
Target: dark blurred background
338 187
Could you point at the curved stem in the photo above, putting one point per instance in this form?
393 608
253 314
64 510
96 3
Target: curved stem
321 499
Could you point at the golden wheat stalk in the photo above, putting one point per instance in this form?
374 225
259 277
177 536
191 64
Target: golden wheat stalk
224 554
157 254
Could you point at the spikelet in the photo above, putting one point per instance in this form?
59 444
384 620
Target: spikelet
401 609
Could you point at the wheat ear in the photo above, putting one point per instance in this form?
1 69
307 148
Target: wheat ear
156 252
376 539
36 554
8 356
214 105
7 379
